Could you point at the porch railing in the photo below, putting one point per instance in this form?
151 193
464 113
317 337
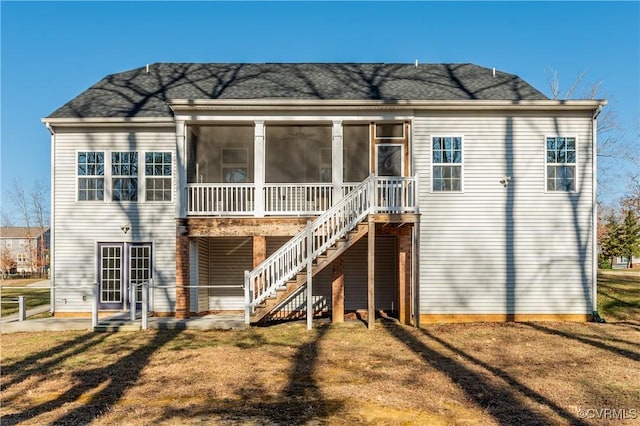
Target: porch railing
220 199
374 195
392 195
298 199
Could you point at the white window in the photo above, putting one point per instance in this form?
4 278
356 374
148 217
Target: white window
561 163
21 257
90 176
9 244
158 171
124 176
446 161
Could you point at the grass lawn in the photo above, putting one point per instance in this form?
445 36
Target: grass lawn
619 295
484 374
15 287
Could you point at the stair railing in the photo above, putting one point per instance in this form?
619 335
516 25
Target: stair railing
374 194
292 257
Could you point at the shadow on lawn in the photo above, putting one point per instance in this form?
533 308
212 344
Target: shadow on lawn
114 379
590 340
300 403
43 362
505 401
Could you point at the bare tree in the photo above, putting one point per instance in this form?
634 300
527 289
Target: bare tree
5 219
40 216
32 210
612 147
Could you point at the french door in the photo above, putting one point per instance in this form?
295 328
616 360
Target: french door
121 265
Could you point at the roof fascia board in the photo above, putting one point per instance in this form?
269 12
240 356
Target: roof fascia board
190 105
110 121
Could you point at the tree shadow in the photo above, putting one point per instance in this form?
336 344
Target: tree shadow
45 361
634 356
118 377
300 403
504 402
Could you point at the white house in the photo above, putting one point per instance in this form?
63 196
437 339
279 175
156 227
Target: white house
432 192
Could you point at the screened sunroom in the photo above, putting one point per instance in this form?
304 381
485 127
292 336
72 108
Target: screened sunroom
274 169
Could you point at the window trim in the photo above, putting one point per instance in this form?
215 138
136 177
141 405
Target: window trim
108 176
432 164
105 177
130 176
143 185
546 164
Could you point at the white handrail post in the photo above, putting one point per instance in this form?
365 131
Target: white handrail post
145 304
309 276
22 311
373 202
247 299
132 300
94 307
416 194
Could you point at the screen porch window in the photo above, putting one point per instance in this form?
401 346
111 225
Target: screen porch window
561 163
235 165
124 172
446 159
90 176
158 172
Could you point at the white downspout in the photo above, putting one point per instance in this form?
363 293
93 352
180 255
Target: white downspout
52 222
594 203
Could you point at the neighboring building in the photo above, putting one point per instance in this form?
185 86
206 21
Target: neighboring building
446 192
622 262
23 250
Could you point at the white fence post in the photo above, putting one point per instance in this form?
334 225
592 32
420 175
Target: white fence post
145 304
309 275
132 300
94 308
22 311
247 299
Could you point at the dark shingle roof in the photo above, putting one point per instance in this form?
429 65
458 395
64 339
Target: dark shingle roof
135 93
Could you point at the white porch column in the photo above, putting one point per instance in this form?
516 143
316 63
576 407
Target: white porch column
181 169
337 161
259 168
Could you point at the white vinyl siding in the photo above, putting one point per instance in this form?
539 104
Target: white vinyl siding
228 258
504 249
80 226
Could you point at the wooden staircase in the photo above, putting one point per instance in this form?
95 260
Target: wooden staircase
286 271
292 286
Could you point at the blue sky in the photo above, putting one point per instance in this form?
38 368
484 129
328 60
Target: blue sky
52 51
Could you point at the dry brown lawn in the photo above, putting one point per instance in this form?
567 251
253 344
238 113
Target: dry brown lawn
538 373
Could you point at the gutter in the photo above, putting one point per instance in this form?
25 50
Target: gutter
594 203
52 233
185 106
